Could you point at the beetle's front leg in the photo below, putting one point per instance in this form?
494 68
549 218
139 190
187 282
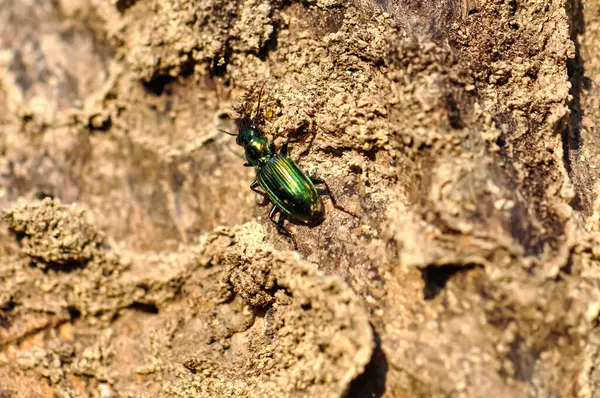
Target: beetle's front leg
280 227
327 192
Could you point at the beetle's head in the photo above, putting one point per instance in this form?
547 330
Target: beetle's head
247 132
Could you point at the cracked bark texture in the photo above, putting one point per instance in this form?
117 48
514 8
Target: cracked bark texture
135 261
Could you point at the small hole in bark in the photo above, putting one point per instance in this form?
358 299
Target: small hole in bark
43 195
158 84
74 312
501 142
149 308
123 5
436 277
453 111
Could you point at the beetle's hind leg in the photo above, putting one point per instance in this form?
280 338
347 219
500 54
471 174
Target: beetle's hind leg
280 227
327 192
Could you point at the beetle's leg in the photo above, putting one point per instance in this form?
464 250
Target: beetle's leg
284 149
280 227
254 186
272 214
327 191
308 148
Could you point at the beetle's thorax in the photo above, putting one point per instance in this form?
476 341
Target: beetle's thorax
255 144
258 151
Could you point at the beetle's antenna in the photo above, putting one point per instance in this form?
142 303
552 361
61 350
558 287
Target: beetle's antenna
226 132
260 96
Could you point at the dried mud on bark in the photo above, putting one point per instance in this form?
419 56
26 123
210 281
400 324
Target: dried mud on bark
135 261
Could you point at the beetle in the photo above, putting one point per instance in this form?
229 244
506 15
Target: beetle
292 192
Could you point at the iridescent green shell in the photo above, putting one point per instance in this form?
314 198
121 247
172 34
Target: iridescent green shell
291 190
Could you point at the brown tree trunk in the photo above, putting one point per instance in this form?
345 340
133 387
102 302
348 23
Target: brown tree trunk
136 261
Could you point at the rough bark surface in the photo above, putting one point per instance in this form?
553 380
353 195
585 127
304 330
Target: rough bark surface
135 261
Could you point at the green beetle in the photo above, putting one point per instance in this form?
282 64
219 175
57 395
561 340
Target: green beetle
291 190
